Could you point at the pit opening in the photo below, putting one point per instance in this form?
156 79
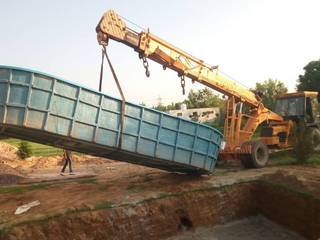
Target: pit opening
185 224
259 210
173 216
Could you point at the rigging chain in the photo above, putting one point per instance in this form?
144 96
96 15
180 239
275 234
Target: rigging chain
183 84
146 66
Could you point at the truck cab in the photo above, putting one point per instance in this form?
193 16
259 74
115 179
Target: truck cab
299 105
300 108
295 108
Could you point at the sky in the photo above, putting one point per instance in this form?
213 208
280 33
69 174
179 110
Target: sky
250 40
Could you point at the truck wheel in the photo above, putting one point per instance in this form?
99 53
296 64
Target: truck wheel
246 160
259 156
314 134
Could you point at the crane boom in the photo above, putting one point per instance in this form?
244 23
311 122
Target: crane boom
239 127
111 26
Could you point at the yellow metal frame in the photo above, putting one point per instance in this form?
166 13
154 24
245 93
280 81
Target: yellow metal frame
239 127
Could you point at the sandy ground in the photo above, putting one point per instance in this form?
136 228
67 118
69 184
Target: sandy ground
253 228
121 183
102 180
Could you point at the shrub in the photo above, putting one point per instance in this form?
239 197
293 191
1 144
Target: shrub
24 150
303 145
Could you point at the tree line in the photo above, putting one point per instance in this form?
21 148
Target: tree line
202 98
269 89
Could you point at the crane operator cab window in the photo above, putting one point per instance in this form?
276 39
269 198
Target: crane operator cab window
291 107
298 107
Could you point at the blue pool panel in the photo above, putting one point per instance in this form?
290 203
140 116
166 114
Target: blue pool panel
49 110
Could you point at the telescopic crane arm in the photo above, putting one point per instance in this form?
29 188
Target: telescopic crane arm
112 26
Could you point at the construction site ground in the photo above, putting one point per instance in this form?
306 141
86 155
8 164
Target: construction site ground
106 199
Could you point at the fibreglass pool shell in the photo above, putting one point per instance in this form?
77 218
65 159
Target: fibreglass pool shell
42 108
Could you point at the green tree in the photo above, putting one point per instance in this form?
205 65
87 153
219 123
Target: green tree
173 106
24 150
203 98
310 80
165 108
270 89
303 144
161 108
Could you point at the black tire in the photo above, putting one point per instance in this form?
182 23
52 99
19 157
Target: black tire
259 156
314 134
246 160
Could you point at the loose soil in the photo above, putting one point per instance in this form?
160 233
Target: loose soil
113 200
7 152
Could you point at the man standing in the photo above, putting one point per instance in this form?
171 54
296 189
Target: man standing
67 161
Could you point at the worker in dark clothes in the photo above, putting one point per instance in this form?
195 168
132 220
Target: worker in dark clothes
67 161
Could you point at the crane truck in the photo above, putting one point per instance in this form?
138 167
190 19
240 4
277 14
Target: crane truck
278 129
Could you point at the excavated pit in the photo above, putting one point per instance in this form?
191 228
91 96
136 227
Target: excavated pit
176 214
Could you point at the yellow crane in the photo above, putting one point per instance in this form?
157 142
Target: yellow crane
239 127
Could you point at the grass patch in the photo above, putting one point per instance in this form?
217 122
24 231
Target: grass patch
3 232
11 190
103 205
36 148
314 159
76 210
304 194
135 187
18 189
25 188
147 178
282 158
22 189
289 158
87 181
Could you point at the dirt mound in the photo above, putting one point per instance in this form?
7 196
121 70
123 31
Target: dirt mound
9 175
86 159
8 156
53 162
7 152
288 179
48 162
10 179
6 169
43 162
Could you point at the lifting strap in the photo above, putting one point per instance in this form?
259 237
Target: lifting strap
123 102
101 70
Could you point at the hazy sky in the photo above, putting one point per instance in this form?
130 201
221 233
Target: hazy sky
251 40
